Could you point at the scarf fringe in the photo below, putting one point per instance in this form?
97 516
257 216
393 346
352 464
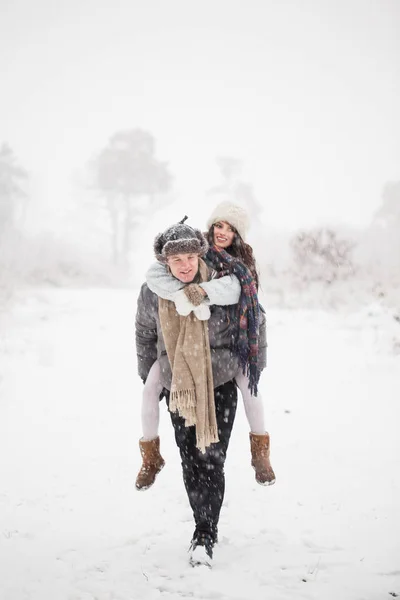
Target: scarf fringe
252 373
184 403
183 398
210 436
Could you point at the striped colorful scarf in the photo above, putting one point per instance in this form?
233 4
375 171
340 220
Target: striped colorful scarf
245 314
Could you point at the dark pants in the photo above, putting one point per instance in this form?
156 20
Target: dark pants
203 474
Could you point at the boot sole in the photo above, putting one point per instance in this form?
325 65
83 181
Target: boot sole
202 561
147 487
265 483
197 563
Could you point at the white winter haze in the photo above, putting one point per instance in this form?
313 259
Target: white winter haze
306 93
290 108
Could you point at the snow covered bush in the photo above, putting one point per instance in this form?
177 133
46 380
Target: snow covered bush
44 259
321 255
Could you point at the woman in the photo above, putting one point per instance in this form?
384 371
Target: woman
197 364
228 253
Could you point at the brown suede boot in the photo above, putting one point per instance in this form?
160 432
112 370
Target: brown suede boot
260 459
152 464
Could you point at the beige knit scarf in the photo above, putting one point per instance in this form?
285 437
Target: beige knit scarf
188 349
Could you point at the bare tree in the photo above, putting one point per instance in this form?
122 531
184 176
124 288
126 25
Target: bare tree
381 242
13 197
230 169
232 187
389 212
130 177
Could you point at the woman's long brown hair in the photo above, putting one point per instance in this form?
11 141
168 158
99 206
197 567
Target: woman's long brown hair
240 250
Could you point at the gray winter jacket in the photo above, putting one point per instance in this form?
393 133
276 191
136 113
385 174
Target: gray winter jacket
150 344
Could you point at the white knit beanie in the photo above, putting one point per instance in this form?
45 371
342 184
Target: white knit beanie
233 214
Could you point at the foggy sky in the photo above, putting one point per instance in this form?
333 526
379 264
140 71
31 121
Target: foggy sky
305 92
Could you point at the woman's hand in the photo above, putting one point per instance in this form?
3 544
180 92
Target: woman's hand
194 293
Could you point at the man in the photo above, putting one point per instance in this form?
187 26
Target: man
198 363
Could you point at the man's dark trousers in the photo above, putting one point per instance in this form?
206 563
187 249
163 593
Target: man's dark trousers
203 474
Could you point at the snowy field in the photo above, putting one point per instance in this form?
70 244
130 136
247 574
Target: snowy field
72 525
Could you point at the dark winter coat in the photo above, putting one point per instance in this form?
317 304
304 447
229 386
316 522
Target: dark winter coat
150 344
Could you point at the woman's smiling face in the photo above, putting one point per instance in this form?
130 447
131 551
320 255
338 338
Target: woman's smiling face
223 234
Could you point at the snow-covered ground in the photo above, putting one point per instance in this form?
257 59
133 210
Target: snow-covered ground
72 526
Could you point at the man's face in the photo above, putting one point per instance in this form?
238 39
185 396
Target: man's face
184 266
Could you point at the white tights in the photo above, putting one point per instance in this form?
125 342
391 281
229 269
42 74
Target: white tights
253 405
151 403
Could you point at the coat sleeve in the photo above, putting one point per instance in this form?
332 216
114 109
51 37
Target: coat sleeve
222 291
161 283
145 333
262 341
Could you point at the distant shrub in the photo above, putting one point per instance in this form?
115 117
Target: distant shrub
47 260
321 255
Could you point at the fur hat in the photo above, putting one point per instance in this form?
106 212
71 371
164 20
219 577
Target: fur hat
233 214
179 239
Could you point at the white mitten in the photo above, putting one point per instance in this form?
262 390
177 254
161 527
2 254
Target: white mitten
182 304
202 312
